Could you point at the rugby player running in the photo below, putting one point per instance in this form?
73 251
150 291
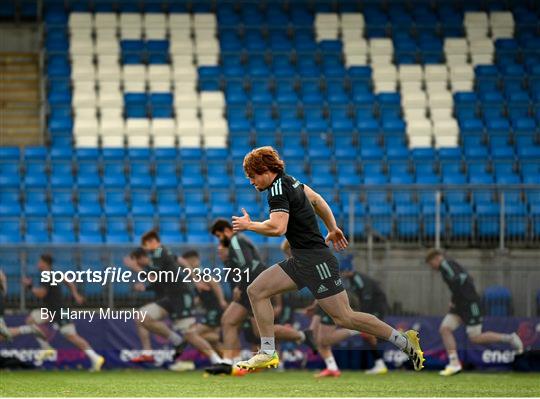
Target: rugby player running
293 209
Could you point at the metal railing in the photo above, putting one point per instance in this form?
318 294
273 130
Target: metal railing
470 221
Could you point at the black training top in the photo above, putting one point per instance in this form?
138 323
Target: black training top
209 300
53 298
243 255
459 281
286 194
171 283
368 292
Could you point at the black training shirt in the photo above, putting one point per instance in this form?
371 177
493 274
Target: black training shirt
286 194
459 281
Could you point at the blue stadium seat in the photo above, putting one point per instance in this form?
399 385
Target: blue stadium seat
460 220
516 225
381 218
90 238
497 301
488 219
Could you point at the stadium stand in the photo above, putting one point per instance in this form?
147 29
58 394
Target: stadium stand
152 106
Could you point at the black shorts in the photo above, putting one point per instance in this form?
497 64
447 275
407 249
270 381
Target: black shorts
319 275
178 307
212 318
470 312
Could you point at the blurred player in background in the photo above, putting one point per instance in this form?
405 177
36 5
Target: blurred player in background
138 261
8 333
465 308
242 255
366 295
51 296
175 302
212 300
293 210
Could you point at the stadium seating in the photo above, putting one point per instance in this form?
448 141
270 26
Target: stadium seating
154 103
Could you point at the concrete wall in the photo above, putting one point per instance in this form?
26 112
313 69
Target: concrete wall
406 279
19 37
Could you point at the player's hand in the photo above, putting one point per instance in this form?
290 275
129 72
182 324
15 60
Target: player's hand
139 287
27 281
237 292
241 223
337 238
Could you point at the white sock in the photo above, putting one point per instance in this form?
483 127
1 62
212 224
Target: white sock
453 358
214 358
379 363
25 330
175 338
92 355
43 344
507 338
227 361
331 363
398 339
302 336
268 345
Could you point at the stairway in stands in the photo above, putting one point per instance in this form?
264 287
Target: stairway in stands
20 99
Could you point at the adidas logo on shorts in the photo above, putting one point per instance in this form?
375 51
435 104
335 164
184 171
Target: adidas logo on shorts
321 289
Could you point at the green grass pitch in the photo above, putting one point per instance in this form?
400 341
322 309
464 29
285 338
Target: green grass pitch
269 383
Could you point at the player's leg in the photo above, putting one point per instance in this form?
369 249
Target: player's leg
231 322
191 336
70 333
5 332
210 334
325 329
448 325
26 329
337 306
271 282
155 313
144 336
476 336
290 334
34 320
379 367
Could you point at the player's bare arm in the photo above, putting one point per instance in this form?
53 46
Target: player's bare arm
216 287
335 235
275 226
79 299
